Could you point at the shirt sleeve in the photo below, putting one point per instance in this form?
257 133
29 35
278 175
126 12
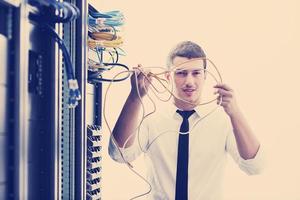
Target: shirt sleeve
250 166
129 154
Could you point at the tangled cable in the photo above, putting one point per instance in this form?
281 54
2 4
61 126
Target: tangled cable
155 91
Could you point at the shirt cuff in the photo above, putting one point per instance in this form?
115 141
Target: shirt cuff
254 165
129 153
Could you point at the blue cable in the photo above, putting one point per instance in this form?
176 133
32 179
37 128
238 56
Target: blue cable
110 18
95 13
74 93
106 21
110 14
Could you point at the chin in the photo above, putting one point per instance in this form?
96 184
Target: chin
191 100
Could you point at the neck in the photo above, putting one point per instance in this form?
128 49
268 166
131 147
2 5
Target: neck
182 105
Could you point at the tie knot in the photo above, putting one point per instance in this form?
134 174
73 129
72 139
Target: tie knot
185 114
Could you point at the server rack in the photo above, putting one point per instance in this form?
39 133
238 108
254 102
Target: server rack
43 143
13 128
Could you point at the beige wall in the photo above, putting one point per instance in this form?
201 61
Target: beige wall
256 45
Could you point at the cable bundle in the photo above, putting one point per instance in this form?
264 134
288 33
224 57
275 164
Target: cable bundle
51 11
104 40
103 28
112 18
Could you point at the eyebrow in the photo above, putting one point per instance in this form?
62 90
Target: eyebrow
193 70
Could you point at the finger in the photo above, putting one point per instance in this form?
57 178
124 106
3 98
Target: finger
138 69
224 104
136 72
139 66
144 72
223 86
141 74
226 99
148 80
223 92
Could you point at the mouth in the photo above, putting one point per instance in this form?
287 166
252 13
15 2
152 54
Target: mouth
189 91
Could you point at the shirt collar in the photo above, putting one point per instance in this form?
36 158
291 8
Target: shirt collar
171 110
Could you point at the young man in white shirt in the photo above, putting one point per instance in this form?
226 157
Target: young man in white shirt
197 173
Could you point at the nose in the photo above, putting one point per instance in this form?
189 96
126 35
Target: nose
189 80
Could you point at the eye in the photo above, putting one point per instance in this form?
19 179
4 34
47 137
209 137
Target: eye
181 73
197 72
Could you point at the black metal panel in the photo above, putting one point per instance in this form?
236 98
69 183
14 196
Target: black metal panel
41 107
11 150
98 104
3 19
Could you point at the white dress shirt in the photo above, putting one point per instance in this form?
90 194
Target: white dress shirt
209 142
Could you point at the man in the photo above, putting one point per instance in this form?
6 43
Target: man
188 164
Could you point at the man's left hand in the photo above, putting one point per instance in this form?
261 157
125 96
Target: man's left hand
228 99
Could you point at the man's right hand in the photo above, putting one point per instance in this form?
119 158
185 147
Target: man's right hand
140 82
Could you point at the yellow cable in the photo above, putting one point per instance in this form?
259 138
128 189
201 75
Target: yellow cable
93 44
104 36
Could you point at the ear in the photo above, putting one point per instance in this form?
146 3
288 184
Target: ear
168 76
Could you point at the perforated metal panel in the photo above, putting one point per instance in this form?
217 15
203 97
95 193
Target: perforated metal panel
67 130
94 160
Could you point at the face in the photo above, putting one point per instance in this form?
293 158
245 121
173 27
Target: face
189 78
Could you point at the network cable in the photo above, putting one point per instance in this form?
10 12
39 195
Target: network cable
97 76
74 93
105 43
111 15
111 18
114 55
116 21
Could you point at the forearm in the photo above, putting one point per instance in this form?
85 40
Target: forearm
127 121
247 143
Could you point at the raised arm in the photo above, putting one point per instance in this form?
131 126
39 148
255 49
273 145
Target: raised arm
246 141
128 119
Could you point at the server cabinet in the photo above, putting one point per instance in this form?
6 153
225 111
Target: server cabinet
43 143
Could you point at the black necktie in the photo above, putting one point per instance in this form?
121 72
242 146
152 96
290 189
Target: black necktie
181 192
